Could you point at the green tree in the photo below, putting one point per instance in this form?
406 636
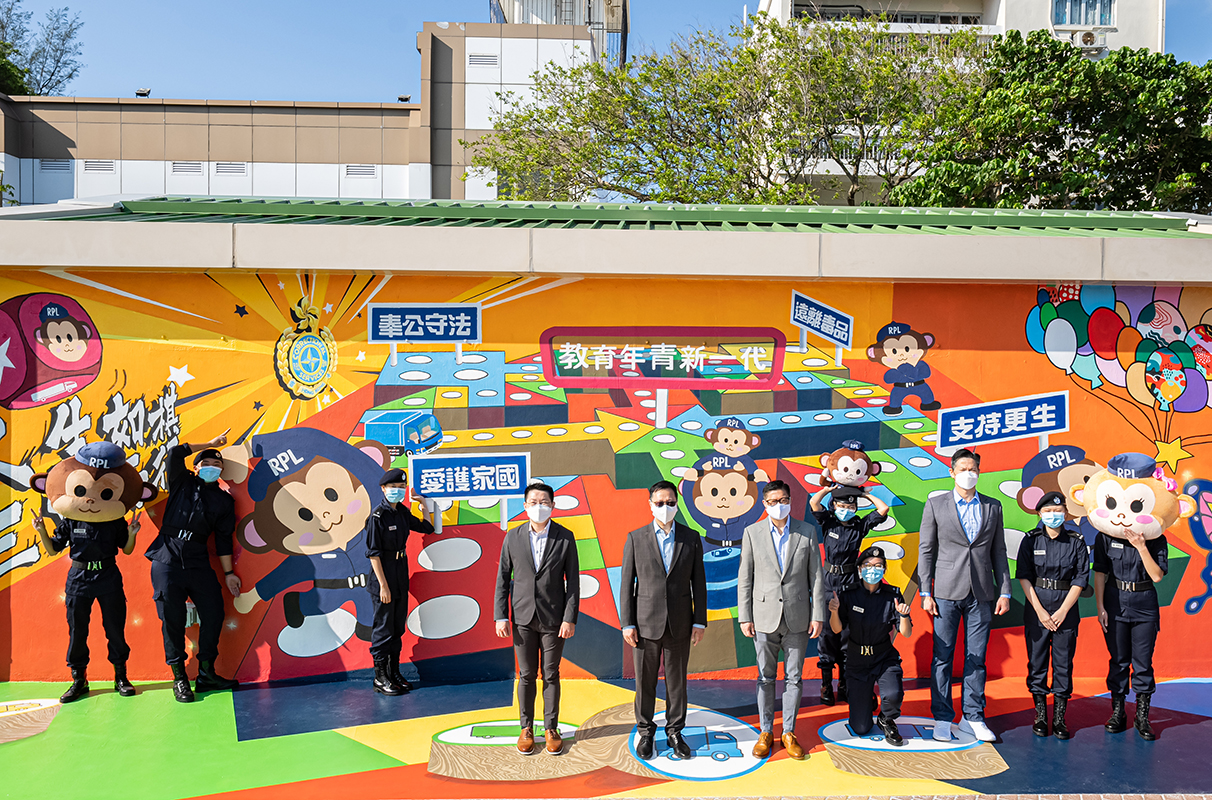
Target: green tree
755 116
12 77
1054 129
49 56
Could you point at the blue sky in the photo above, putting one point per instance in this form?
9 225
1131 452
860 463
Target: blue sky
359 50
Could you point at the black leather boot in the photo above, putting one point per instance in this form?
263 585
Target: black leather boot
1118 723
393 672
211 681
121 684
827 698
79 686
181 689
1142 718
1040 726
842 695
383 683
1059 706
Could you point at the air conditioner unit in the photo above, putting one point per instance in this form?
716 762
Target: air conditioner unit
1089 39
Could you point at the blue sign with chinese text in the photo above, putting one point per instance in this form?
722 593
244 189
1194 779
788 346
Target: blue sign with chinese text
816 317
1003 421
422 323
466 477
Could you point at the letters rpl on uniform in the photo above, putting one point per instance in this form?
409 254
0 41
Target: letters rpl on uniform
424 323
813 316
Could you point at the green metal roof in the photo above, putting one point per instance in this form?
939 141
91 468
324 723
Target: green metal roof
635 216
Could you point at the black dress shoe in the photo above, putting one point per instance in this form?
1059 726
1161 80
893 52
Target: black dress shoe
643 747
678 745
892 734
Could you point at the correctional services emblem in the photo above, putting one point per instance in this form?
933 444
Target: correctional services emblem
305 356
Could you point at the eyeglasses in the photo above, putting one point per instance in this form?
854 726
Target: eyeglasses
662 503
783 501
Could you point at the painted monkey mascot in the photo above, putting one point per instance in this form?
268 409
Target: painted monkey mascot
92 492
1131 503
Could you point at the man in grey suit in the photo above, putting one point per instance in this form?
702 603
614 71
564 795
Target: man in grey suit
539 580
963 570
664 612
780 604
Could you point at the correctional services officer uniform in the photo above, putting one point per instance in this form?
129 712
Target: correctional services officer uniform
843 541
181 568
387 530
870 657
94 576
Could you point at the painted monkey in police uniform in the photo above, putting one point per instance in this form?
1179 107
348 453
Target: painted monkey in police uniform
875 612
197 507
92 491
1053 568
387 530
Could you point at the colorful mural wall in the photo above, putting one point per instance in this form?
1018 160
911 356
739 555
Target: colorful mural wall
609 385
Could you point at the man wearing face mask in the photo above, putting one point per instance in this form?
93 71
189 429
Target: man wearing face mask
964 575
663 607
781 568
1053 567
196 508
539 582
387 530
843 532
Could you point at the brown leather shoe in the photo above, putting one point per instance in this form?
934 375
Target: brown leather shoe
526 741
793 747
764 745
554 742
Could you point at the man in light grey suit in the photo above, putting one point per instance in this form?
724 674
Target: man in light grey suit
781 604
963 570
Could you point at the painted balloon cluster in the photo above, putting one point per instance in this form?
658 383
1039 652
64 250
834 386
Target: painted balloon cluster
1134 337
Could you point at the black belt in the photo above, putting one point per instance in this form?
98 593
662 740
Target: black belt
907 385
93 566
723 542
841 569
341 583
1050 583
870 650
1134 586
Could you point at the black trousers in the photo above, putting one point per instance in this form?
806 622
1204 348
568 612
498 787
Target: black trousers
1131 645
113 619
861 679
1043 646
390 622
831 649
172 586
538 649
647 658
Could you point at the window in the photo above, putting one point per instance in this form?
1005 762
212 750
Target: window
928 19
948 19
910 19
1083 12
971 19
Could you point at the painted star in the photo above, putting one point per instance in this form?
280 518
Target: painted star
242 311
361 356
180 375
258 405
328 308
325 400
1170 453
281 285
5 361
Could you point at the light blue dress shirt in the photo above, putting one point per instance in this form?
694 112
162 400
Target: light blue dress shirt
780 543
969 514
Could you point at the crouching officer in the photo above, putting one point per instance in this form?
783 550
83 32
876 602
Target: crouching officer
387 531
874 611
1054 568
196 508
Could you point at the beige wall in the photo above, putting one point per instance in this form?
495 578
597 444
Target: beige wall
140 129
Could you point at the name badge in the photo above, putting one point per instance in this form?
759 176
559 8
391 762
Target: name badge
1118 545
858 609
834 536
1041 552
328 555
391 527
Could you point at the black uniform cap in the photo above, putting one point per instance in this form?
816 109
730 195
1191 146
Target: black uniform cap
1050 499
874 551
846 494
209 452
393 476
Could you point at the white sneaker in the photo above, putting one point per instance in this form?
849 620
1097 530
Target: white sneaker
942 731
978 729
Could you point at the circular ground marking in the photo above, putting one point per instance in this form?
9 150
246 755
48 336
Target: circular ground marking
918 733
963 757
692 425
722 746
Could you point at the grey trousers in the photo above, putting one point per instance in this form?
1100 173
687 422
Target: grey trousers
767 646
538 648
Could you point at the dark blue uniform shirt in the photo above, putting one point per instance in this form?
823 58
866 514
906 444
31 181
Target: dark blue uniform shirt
871 618
1121 561
92 542
195 509
1065 558
843 543
387 537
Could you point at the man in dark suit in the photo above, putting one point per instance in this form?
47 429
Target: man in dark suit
664 613
964 571
539 579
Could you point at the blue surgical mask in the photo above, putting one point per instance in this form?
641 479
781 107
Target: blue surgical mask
395 494
209 474
872 575
844 514
1053 519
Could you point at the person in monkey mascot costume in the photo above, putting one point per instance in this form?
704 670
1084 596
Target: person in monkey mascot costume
92 493
1131 503
849 465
